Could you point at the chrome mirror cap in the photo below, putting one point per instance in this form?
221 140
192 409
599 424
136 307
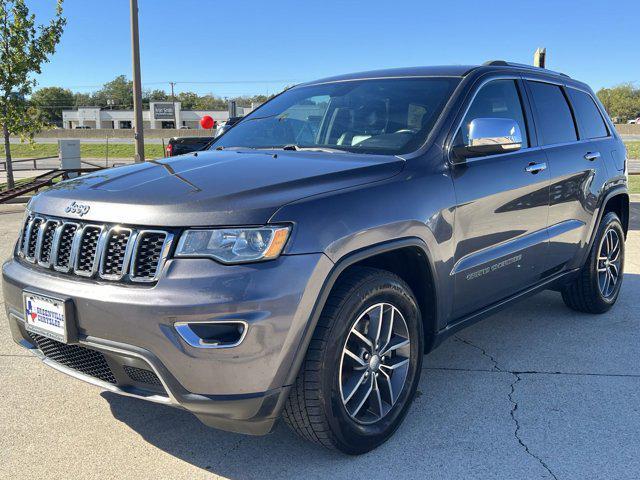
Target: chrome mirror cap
490 136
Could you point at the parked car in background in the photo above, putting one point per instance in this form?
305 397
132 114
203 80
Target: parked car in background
303 265
182 145
224 126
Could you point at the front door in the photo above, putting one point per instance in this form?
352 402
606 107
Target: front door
502 204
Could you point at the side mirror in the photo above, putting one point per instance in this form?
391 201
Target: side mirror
490 136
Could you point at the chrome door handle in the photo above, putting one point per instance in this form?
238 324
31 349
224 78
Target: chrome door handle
535 167
591 156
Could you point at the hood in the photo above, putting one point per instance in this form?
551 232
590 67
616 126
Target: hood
210 188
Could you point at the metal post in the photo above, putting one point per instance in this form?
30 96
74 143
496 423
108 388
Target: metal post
137 84
173 101
540 57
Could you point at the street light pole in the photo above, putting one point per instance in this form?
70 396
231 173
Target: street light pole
137 84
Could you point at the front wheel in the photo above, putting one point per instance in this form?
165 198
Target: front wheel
363 364
597 286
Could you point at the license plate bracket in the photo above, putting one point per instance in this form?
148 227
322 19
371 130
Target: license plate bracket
49 315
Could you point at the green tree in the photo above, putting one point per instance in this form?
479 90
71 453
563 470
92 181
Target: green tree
188 100
119 90
622 101
51 101
23 49
82 100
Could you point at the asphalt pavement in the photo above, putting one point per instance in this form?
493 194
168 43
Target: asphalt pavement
536 391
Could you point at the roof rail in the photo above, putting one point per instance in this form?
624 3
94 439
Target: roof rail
502 63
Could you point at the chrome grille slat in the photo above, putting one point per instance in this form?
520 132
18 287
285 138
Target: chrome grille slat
150 252
90 250
45 242
63 245
116 253
23 234
31 240
87 252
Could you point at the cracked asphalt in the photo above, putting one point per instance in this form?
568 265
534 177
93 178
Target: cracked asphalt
536 391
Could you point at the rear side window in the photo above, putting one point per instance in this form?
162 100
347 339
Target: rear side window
497 99
589 119
554 121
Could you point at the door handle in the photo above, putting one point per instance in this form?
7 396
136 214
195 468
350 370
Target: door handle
591 156
535 167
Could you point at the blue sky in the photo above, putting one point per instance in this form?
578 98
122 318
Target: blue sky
246 46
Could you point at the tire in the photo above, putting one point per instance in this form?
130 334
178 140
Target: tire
315 408
585 293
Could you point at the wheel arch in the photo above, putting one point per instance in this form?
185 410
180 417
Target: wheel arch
393 255
617 202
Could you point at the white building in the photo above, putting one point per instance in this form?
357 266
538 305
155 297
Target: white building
160 115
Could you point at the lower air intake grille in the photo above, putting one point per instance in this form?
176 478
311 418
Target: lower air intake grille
83 360
141 375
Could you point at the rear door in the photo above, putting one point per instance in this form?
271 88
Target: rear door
502 208
574 142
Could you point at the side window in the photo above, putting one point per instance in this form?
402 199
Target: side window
590 121
554 121
497 99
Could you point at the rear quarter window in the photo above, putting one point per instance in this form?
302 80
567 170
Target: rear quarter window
554 120
590 121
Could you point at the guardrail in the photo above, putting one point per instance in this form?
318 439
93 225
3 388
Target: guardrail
3 163
42 181
35 166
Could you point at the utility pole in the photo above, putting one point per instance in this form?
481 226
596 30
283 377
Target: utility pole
137 84
173 101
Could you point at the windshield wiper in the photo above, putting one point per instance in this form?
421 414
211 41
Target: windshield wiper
298 148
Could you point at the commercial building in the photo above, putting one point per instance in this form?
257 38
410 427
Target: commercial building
160 115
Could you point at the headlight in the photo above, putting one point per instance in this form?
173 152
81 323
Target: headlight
234 245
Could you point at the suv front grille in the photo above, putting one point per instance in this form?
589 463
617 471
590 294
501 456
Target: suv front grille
81 359
94 250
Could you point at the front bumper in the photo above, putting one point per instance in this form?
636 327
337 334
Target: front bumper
241 388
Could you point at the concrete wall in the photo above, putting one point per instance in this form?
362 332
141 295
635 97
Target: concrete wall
628 129
166 133
121 133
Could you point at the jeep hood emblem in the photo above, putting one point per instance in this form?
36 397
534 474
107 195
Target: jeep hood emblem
77 208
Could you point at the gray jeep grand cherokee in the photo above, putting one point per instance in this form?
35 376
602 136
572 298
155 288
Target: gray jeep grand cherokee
304 264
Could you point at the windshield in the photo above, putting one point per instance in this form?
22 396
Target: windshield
386 116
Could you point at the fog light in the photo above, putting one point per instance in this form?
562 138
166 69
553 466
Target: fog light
212 334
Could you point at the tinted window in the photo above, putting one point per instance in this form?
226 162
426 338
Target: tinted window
497 99
386 116
590 121
554 121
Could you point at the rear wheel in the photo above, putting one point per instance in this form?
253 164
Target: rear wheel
363 364
597 286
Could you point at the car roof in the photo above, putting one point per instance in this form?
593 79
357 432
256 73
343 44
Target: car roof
447 71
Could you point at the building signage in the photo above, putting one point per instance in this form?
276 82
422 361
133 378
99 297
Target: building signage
163 111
